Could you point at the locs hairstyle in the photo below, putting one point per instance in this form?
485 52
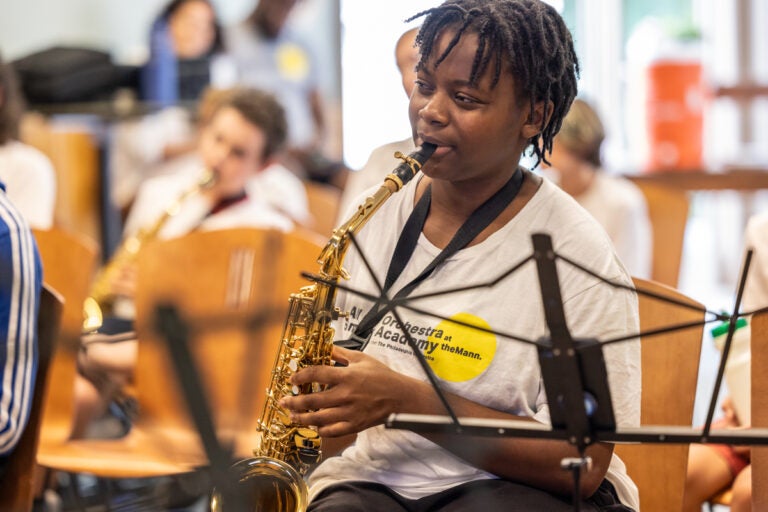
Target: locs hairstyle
528 36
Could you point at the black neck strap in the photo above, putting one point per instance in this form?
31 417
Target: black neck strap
480 219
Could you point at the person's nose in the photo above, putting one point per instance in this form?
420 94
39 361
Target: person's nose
434 110
219 155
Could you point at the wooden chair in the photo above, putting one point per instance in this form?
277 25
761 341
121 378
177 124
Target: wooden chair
74 152
69 261
17 485
670 364
759 397
668 213
323 201
218 280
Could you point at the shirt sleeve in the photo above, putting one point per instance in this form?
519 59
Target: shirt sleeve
20 283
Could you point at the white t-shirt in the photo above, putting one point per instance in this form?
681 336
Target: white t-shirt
30 182
276 198
619 206
491 370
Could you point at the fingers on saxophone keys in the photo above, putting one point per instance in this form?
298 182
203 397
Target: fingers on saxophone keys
321 374
299 403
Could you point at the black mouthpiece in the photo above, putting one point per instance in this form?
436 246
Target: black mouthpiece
424 152
413 162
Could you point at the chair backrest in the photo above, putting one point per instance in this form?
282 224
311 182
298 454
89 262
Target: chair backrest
219 281
73 150
670 365
17 485
668 213
759 354
323 202
69 262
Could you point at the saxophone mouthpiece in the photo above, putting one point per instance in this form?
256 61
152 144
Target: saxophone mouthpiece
423 153
413 162
208 179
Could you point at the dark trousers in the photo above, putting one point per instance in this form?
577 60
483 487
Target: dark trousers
482 495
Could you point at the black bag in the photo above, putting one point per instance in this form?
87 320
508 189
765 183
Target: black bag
67 74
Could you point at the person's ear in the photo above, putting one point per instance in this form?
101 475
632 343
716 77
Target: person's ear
538 118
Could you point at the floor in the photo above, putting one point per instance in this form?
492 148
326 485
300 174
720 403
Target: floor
150 495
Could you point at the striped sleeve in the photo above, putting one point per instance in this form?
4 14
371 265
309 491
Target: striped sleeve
20 282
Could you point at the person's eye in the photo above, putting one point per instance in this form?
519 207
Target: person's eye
465 99
423 86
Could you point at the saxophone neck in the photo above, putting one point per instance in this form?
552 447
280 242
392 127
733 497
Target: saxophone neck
332 255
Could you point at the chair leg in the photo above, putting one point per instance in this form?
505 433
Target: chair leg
73 490
48 501
81 503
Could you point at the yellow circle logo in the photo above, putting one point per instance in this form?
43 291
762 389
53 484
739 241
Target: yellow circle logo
292 62
460 351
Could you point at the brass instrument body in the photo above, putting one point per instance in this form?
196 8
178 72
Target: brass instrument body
101 296
274 479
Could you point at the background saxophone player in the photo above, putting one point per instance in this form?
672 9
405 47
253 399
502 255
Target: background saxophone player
246 129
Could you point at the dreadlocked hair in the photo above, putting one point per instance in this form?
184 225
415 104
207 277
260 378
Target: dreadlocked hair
529 36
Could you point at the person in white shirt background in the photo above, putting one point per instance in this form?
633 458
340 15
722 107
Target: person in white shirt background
28 174
617 204
382 160
247 129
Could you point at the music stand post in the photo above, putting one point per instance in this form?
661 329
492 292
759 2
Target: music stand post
175 331
575 380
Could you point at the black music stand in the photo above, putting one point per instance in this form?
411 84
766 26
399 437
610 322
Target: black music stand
575 381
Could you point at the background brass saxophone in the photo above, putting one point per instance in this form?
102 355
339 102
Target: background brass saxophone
101 295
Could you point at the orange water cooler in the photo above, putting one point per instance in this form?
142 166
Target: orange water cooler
674 108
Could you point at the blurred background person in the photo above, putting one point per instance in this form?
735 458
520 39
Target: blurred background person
713 468
271 184
29 177
617 204
184 41
246 130
186 56
271 56
382 161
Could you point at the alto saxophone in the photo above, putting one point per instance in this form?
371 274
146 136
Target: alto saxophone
273 480
101 295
